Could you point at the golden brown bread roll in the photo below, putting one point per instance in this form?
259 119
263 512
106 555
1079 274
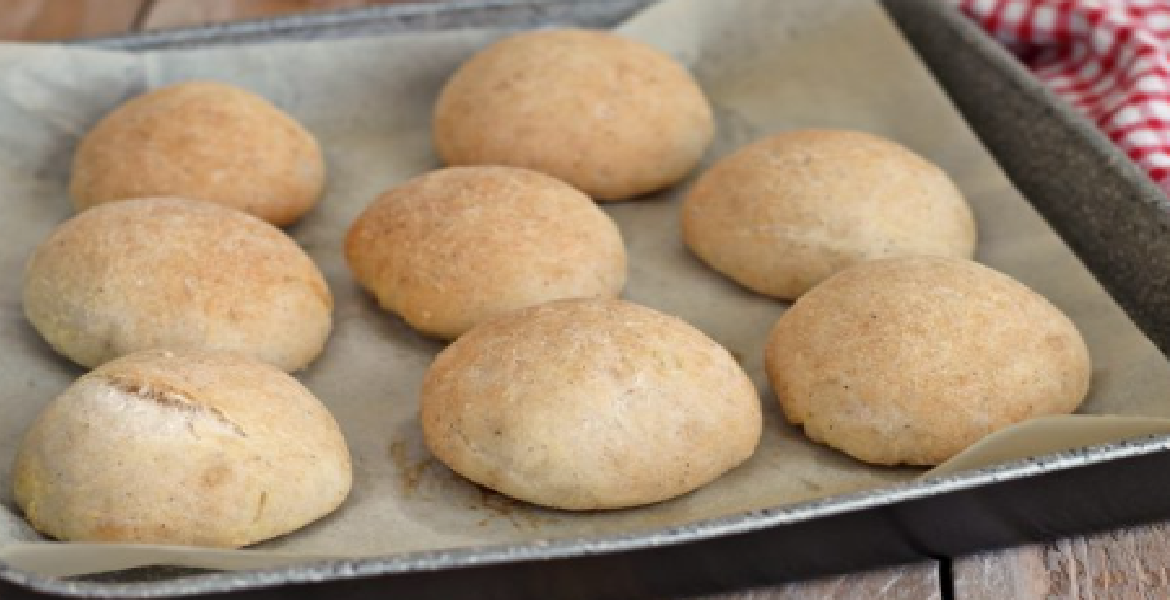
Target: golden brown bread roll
176 274
191 448
613 117
782 214
453 247
204 141
911 360
589 404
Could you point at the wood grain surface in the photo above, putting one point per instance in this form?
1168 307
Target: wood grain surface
1129 563
908 582
166 14
46 20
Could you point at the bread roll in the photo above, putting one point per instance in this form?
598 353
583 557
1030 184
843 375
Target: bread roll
456 246
911 360
613 117
782 214
205 141
190 448
589 404
168 273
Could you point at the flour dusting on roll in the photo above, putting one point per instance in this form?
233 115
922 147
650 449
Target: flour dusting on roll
911 360
589 404
191 448
784 213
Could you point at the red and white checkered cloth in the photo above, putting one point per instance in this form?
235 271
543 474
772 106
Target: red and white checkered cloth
1109 58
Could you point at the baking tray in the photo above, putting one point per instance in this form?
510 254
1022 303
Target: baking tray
1113 217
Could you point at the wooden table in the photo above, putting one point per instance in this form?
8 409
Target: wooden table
1131 563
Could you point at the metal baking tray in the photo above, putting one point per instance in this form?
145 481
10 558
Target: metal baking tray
1113 217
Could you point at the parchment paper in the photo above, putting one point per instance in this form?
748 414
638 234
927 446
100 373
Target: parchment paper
767 66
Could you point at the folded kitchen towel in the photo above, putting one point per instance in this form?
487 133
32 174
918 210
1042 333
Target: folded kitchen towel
1108 58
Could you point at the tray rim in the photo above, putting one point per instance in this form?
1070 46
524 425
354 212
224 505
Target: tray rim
323 570
210 33
316 570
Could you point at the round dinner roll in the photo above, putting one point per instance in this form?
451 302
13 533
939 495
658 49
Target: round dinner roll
784 213
205 141
589 404
168 273
190 448
453 247
911 360
613 117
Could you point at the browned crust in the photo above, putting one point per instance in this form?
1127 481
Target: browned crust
613 117
177 274
205 141
456 246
